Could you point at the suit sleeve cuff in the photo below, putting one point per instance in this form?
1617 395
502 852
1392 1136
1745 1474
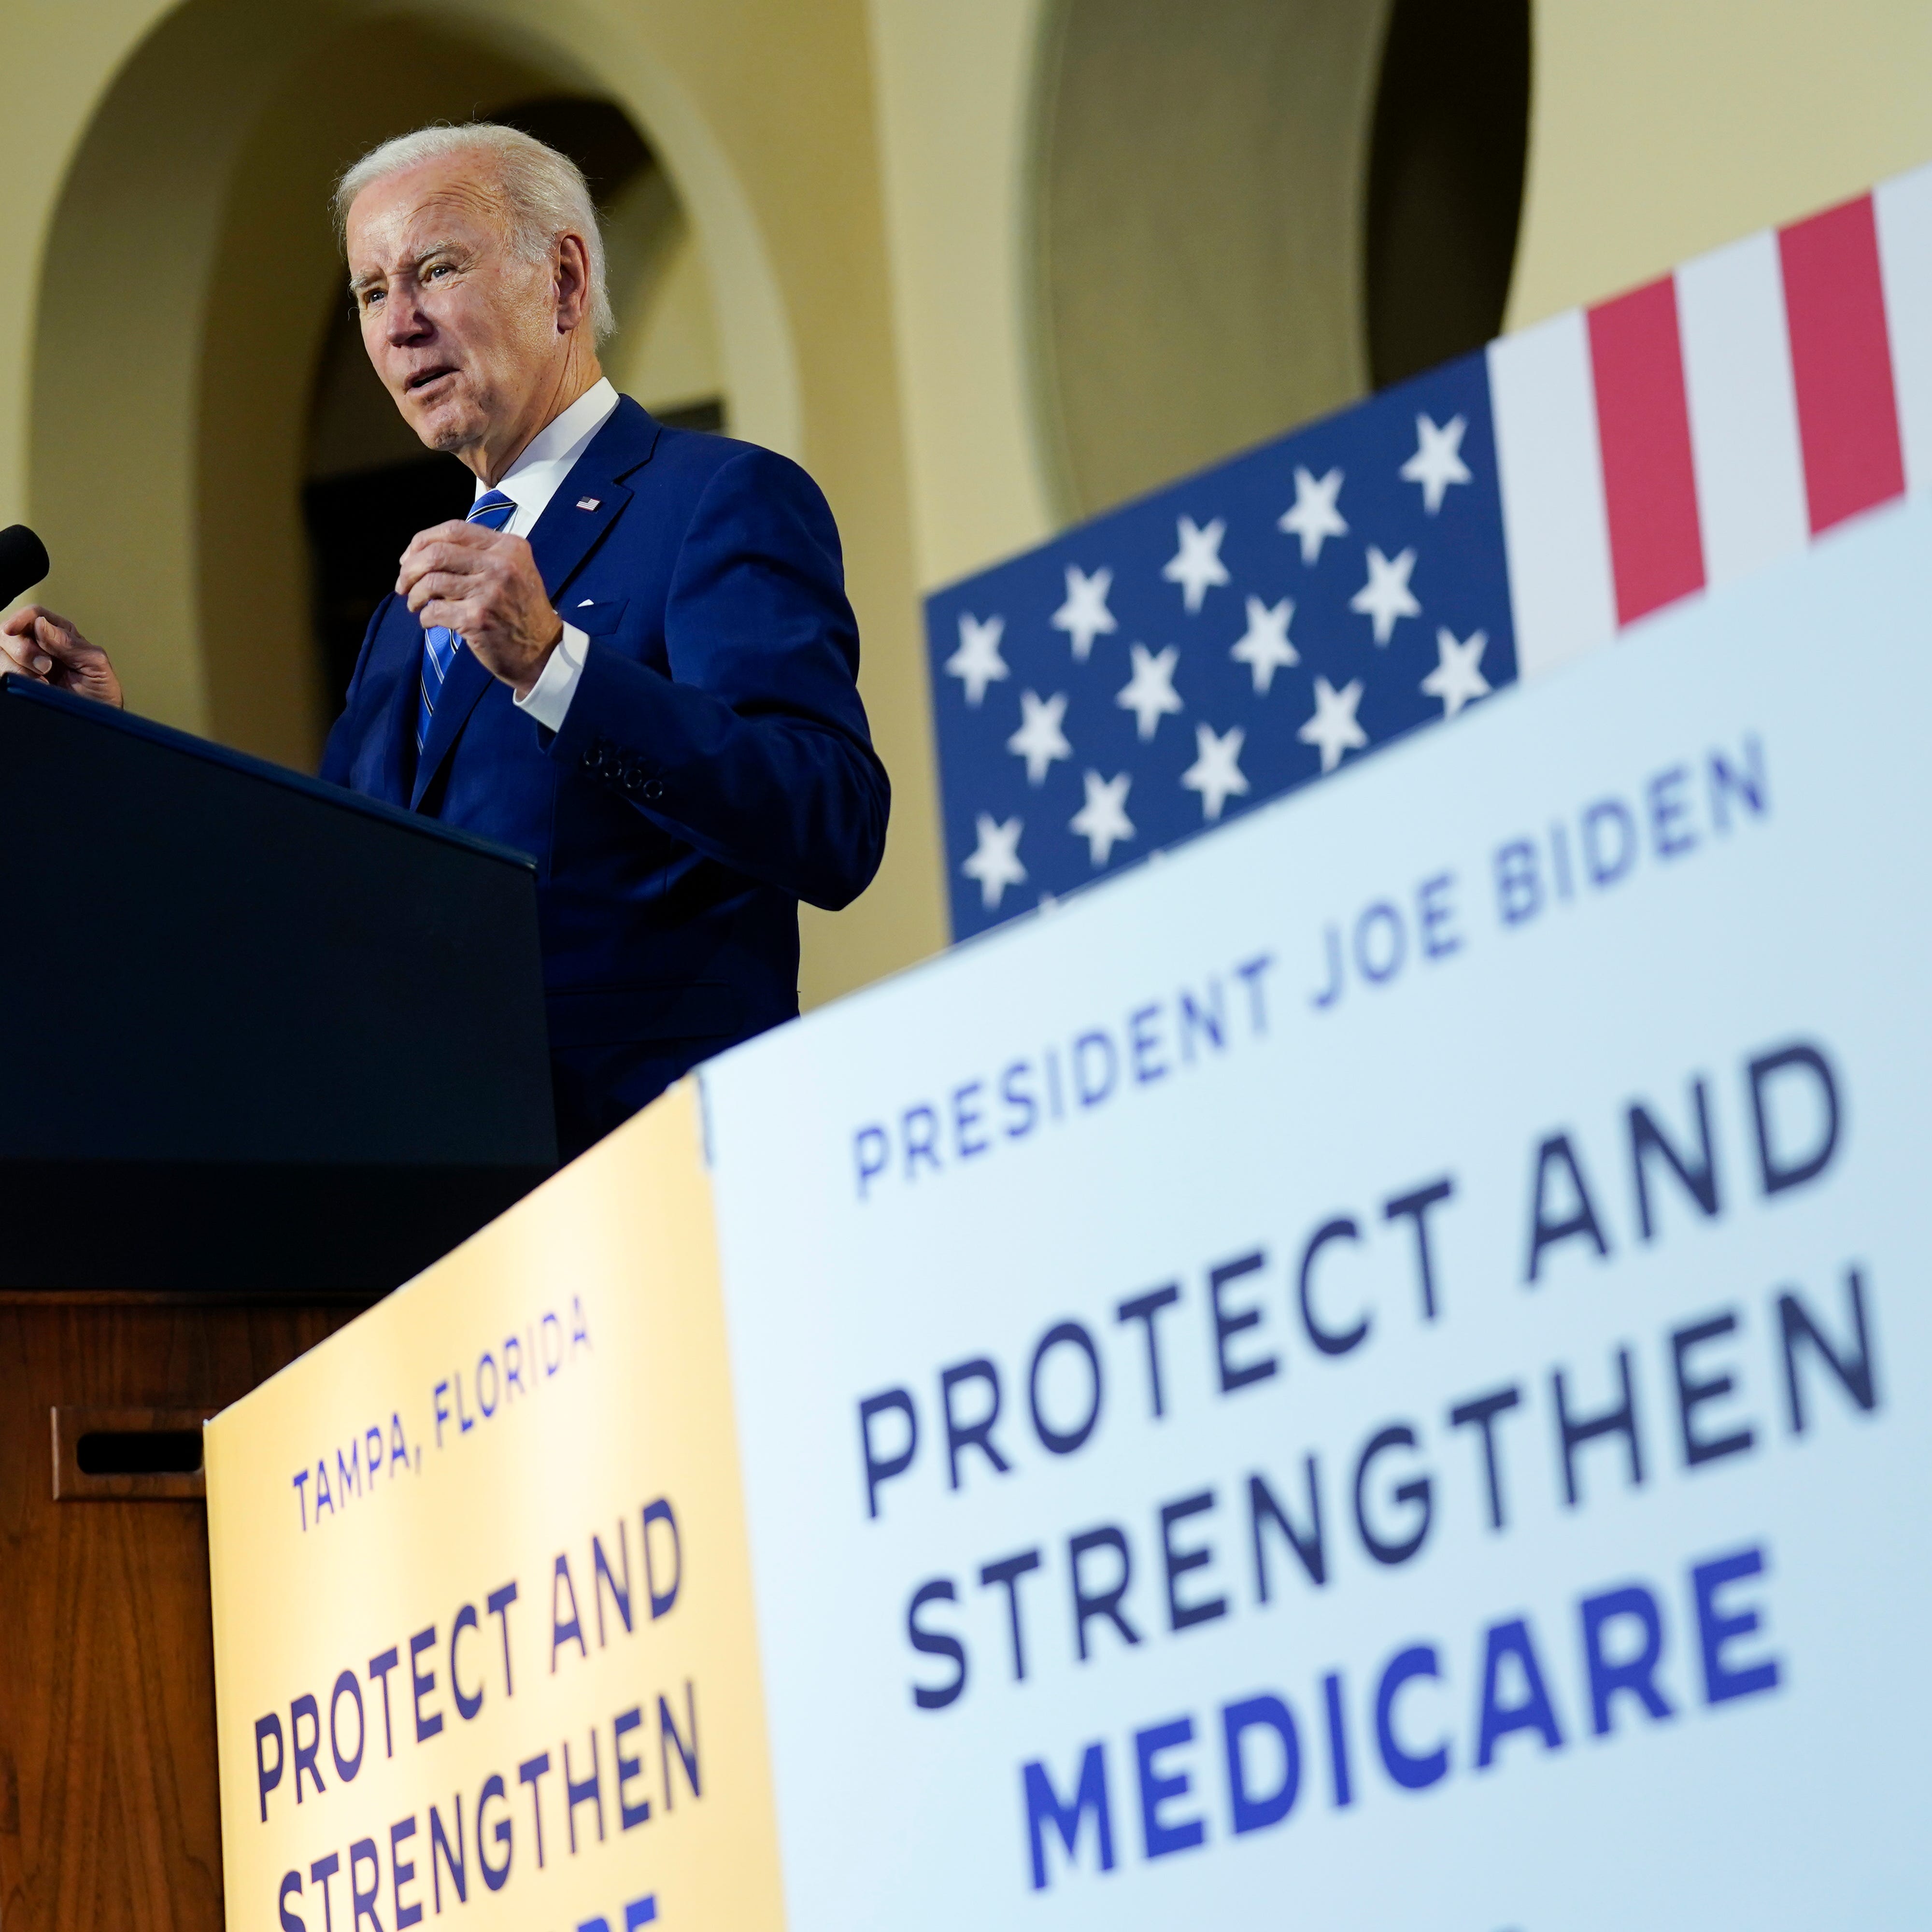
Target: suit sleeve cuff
550 697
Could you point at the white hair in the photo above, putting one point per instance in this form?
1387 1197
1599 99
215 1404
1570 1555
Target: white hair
544 193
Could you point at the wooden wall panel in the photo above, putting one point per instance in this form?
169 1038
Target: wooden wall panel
108 1807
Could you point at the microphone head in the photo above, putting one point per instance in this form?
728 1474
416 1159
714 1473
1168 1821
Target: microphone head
23 562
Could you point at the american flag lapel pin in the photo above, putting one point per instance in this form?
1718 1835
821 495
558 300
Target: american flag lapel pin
588 502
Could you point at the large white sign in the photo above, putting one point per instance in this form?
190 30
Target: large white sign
1374 1372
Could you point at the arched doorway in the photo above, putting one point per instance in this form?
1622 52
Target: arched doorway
1445 181
1249 212
188 380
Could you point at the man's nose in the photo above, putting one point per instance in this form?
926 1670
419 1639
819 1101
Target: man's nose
404 318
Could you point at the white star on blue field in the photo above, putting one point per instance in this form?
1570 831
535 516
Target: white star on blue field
1174 664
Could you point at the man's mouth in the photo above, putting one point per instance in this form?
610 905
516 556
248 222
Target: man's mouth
424 378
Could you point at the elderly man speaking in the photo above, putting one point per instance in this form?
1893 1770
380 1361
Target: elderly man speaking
634 661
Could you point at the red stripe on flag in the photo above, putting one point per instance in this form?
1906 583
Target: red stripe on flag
1841 362
1643 423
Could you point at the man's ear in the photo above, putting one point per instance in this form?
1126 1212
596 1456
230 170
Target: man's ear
573 283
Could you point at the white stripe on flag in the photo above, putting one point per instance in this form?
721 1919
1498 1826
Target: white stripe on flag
1904 211
1550 470
1744 408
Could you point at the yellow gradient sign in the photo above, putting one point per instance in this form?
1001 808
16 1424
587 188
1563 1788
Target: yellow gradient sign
483 1618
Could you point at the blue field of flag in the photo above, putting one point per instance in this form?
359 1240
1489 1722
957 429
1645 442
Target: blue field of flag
1177 661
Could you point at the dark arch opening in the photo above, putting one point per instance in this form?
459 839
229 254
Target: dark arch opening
1445 180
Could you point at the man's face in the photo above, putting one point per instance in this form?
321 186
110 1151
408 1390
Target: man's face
462 330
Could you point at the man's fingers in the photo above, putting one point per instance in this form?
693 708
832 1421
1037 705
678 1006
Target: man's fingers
40 644
56 635
438 581
435 597
474 538
35 639
445 540
470 537
421 558
29 616
441 586
455 530
24 655
463 615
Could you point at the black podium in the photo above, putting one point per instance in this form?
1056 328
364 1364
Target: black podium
268 1049
261 1033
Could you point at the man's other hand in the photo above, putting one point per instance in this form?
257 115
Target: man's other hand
38 644
483 585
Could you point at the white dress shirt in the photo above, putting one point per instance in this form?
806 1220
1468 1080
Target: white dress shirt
529 483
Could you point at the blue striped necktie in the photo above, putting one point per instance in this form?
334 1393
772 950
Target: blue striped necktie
493 510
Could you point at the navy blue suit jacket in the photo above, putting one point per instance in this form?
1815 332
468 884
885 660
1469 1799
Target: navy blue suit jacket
714 768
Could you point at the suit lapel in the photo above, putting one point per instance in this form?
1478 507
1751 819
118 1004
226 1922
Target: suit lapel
385 765
466 682
567 531
565 534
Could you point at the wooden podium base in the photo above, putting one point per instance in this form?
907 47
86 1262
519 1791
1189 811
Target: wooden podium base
109 1815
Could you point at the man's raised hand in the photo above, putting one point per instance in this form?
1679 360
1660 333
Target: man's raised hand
39 644
483 584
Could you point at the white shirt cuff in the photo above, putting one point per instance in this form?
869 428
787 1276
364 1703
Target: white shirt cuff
556 684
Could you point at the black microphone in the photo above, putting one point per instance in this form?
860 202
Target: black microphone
23 562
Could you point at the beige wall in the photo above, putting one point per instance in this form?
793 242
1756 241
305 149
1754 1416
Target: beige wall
859 179
1660 128
954 80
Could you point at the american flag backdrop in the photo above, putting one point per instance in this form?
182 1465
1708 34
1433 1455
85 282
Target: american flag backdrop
1175 662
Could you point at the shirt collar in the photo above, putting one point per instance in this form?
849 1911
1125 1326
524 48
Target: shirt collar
532 480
